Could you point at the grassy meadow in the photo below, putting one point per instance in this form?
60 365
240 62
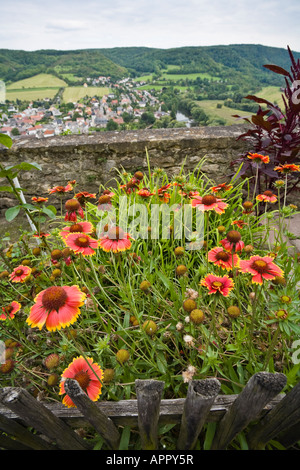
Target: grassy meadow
75 93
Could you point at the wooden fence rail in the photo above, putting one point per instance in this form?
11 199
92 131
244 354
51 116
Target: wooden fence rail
261 410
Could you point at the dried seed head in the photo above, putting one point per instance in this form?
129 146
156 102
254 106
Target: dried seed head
179 251
189 305
150 327
108 375
233 311
122 356
145 285
181 270
52 361
197 316
52 380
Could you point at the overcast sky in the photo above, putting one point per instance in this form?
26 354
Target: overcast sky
74 24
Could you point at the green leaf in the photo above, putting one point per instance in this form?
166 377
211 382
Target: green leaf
49 212
6 189
6 140
25 166
11 213
124 442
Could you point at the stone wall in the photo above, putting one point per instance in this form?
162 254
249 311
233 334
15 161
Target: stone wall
92 160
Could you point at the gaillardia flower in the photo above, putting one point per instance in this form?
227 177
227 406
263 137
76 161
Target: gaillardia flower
287 168
73 209
233 241
261 267
61 189
218 284
10 310
221 187
81 243
258 158
79 227
20 274
209 203
267 196
56 307
115 240
88 374
223 258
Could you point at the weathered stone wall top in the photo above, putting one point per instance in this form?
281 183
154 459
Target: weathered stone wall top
92 160
122 137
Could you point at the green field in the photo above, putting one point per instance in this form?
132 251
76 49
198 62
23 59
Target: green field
42 80
31 94
271 93
175 77
75 93
210 108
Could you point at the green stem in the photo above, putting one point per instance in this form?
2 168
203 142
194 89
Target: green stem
271 348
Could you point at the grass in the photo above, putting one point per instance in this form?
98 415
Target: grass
210 108
72 94
271 93
42 80
31 94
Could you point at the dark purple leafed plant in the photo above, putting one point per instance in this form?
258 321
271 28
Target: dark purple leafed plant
274 131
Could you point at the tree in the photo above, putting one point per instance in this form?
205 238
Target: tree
112 125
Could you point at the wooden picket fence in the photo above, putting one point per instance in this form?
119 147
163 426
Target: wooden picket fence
261 410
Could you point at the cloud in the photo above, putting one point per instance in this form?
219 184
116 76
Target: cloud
74 24
65 25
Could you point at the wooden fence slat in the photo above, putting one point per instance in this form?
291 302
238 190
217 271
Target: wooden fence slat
25 437
6 443
200 397
259 390
280 419
35 415
102 424
149 394
290 437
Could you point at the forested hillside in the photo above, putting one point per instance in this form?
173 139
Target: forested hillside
244 62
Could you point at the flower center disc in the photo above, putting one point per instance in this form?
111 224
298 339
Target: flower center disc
260 266
54 298
76 228
82 242
209 200
268 193
223 255
83 379
233 236
19 272
72 205
217 284
8 309
115 233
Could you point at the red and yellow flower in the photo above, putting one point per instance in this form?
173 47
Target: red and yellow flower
221 187
10 310
223 258
73 209
287 168
56 307
81 243
260 267
218 284
61 189
115 240
20 274
233 241
39 200
240 223
144 192
258 158
88 374
209 203
267 196
79 227
83 197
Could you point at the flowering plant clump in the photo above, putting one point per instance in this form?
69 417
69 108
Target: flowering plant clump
173 279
